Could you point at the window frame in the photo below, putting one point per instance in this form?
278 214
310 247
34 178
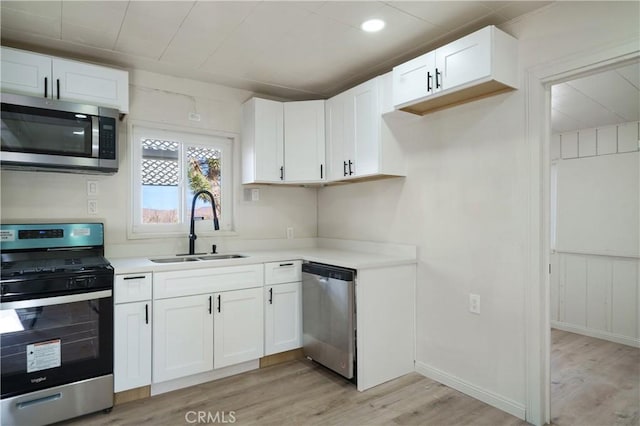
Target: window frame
222 141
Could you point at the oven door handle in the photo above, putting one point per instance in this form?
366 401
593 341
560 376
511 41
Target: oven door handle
58 300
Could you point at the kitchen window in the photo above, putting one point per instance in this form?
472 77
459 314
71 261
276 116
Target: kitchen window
168 168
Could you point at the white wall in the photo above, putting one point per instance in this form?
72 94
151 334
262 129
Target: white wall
160 99
464 203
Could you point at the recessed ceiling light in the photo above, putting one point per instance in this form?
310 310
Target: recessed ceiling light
372 25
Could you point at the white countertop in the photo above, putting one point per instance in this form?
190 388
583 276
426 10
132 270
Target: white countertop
338 257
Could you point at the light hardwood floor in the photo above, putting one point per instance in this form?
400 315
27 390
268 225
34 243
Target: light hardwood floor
301 393
593 382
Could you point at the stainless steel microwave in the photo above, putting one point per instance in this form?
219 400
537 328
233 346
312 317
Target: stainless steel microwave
53 135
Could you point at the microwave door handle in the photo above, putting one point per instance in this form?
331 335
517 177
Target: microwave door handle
95 137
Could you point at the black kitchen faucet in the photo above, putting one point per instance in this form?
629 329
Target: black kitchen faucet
192 232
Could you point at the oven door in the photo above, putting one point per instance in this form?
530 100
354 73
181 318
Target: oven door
56 340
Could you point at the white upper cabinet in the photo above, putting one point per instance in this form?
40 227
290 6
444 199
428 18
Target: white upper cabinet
475 66
338 150
304 141
26 73
34 74
283 142
91 84
359 142
414 79
262 141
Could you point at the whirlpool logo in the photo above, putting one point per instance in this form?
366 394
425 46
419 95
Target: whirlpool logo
39 379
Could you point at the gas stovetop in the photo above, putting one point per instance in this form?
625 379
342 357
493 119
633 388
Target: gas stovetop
18 268
39 260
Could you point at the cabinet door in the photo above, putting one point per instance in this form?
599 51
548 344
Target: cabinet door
238 326
335 116
463 60
414 79
182 337
304 144
77 81
366 110
132 345
26 73
283 317
267 138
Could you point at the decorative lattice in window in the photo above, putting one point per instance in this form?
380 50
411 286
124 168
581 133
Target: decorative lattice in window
159 172
159 162
202 154
160 145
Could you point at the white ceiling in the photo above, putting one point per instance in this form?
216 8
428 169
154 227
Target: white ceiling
609 97
291 49
287 49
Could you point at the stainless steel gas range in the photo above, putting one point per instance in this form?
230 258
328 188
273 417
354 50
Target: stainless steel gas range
56 327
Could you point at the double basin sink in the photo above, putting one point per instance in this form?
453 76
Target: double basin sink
181 259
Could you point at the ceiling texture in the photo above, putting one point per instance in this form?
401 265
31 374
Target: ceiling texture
287 49
290 49
602 99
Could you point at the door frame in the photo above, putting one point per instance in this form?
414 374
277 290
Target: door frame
538 81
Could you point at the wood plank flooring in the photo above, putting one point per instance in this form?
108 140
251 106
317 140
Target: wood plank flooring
302 393
593 382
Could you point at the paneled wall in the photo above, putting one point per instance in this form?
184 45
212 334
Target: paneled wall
595 265
596 296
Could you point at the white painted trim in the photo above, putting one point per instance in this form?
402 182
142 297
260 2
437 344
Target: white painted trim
505 404
598 334
197 379
538 135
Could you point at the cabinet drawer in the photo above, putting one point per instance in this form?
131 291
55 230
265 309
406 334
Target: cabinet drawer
283 272
210 280
133 287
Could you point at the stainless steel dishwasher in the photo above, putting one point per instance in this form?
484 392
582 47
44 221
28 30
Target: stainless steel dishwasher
329 317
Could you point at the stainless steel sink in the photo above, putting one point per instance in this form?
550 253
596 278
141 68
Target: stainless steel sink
180 259
221 256
175 260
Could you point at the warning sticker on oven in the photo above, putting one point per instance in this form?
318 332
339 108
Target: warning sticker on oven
43 355
7 235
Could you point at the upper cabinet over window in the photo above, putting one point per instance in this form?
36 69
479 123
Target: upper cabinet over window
33 74
478 65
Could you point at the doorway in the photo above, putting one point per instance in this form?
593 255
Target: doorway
594 247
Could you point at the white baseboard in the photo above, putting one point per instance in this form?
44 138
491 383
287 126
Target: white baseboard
505 404
598 334
196 379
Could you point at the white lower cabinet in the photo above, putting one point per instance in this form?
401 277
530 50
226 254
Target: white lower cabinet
237 327
205 319
283 317
132 345
132 316
182 337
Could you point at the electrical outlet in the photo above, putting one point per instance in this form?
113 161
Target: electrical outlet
289 233
194 116
92 207
255 194
92 188
474 303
